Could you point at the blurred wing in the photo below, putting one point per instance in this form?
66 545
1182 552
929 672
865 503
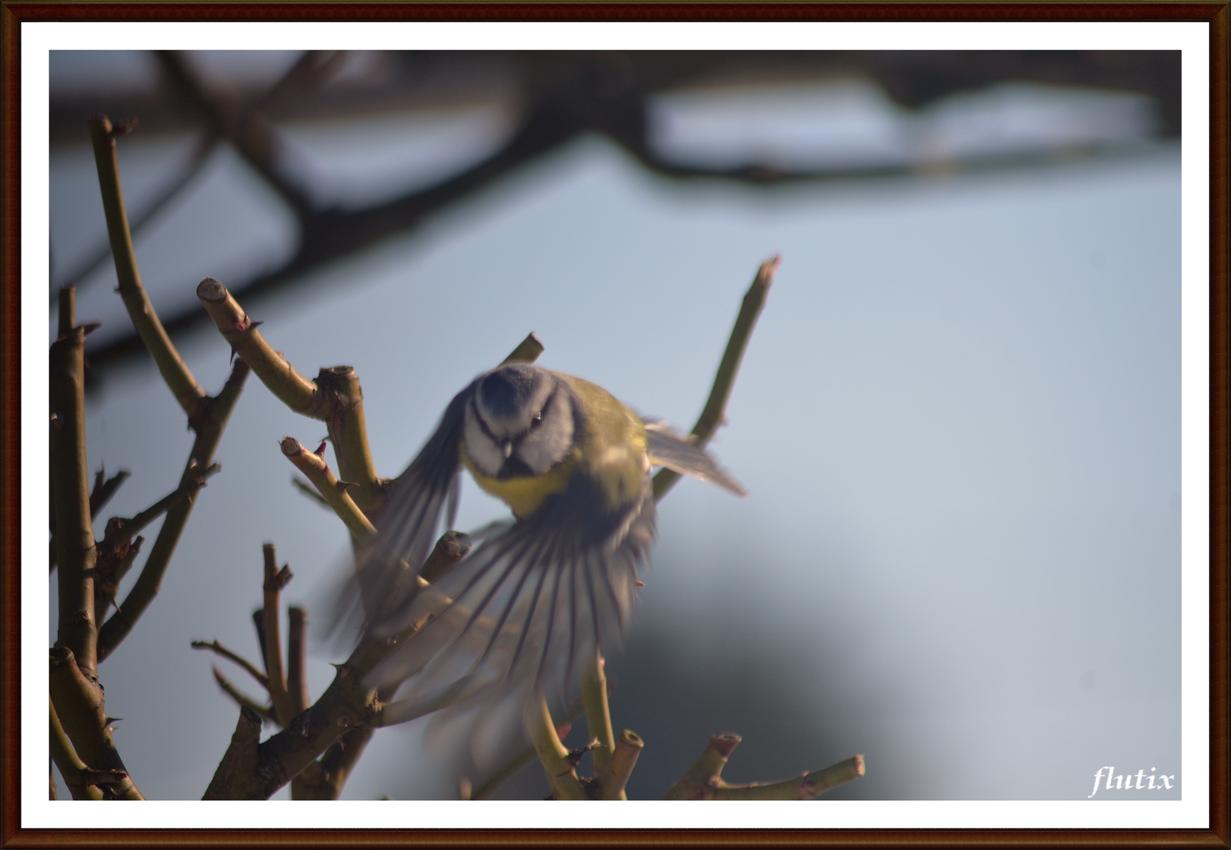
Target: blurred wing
408 525
676 452
527 607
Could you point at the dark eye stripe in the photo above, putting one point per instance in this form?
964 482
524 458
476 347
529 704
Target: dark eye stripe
483 426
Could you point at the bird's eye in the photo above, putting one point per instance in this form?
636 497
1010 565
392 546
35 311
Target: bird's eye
537 420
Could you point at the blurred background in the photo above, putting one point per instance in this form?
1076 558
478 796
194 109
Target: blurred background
958 418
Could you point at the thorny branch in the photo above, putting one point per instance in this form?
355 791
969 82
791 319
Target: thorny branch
90 571
704 781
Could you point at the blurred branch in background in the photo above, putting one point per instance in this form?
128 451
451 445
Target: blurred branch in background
308 72
555 98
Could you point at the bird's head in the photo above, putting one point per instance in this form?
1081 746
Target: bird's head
519 421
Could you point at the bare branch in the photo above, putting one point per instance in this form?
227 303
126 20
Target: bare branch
266 712
333 234
275 372
345 706
704 781
275 580
713 413
296 658
172 367
335 396
209 427
181 178
78 702
71 767
243 663
104 488
335 493
598 712
527 351
77 629
239 762
113 565
553 755
614 779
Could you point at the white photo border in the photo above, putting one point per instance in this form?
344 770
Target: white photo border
37 39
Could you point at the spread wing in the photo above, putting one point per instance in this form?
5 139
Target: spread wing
408 525
526 607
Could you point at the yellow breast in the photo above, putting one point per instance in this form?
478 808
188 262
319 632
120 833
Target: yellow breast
524 495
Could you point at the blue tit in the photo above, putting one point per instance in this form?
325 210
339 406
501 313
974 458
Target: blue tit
542 593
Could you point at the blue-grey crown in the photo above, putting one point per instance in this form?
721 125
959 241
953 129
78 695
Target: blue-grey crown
507 390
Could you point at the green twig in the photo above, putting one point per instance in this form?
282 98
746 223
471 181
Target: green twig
274 370
309 491
297 658
334 397
100 494
71 767
78 702
76 553
104 488
553 755
113 564
335 493
502 773
598 713
116 551
122 529
614 779
208 427
715 406
527 351
704 781
806 787
271 588
243 663
348 432
266 712
170 365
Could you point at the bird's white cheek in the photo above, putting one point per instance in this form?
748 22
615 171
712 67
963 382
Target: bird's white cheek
544 448
482 451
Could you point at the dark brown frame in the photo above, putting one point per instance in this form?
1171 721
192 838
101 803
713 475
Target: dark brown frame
13 13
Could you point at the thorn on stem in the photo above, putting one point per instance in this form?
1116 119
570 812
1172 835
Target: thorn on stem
574 757
123 128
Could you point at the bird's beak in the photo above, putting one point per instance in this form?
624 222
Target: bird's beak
507 448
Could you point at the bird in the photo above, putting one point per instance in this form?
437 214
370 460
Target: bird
542 592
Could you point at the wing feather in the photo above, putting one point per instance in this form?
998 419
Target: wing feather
678 453
384 580
502 630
